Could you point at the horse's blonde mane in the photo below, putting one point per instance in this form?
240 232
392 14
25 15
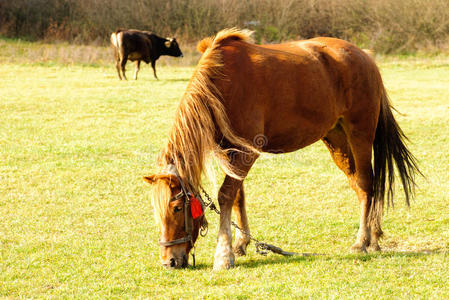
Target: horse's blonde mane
200 118
230 33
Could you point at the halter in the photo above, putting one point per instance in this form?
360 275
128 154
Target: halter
188 219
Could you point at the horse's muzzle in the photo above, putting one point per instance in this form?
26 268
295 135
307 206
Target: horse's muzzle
174 263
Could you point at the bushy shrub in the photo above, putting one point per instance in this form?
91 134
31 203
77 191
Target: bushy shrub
383 25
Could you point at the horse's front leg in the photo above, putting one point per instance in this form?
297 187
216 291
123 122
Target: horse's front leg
224 256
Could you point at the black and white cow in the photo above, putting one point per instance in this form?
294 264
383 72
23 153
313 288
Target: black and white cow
136 45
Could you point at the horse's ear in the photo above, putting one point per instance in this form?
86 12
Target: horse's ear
171 180
150 179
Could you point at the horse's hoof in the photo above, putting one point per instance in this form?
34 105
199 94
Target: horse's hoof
240 250
223 265
374 248
358 248
224 258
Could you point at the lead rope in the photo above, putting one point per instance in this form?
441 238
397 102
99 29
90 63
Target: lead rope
261 247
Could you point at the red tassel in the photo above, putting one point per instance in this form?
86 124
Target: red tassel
195 207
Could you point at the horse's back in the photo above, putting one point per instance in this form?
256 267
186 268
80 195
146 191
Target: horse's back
364 84
293 93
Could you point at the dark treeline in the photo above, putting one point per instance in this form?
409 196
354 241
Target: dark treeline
383 25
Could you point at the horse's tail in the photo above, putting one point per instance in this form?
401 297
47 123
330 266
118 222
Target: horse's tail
389 149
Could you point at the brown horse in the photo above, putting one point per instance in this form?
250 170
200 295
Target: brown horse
245 98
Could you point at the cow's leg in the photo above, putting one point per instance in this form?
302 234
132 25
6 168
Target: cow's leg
137 69
224 256
153 65
117 65
241 239
123 64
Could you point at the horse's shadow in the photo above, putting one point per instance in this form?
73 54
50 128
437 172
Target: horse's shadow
256 262
272 259
362 257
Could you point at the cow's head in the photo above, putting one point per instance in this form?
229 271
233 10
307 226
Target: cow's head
172 47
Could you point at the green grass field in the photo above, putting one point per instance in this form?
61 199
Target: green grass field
76 219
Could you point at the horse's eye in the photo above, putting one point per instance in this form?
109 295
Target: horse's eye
177 209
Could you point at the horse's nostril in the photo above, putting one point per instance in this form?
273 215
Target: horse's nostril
172 262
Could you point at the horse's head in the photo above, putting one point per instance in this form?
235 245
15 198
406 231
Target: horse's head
179 224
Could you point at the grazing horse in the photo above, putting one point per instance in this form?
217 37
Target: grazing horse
290 95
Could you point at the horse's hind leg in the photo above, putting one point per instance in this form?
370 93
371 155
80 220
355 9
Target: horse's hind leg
356 164
241 239
361 138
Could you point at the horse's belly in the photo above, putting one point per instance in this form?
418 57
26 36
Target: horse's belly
298 133
289 143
